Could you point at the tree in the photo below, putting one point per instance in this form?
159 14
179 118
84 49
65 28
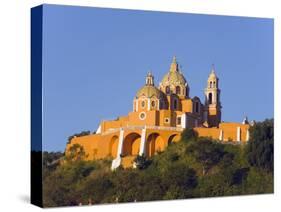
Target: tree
207 153
141 162
178 181
260 147
76 153
189 134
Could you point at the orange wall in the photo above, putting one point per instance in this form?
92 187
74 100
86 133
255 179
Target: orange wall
229 131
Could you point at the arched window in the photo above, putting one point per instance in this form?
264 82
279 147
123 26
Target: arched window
160 104
210 98
167 90
211 84
197 107
214 84
153 103
175 104
178 90
143 104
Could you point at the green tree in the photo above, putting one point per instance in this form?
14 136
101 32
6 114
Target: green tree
141 162
189 134
260 147
207 153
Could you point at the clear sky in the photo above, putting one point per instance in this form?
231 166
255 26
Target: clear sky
95 60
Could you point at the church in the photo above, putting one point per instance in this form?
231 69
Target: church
158 117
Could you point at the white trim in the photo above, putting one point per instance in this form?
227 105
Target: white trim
247 135
137 105
98 130
117 161
221 135
142 144
238 134
158 104
148 104
120 143
183 121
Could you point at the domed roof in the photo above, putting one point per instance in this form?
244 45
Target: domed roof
174 76
149 91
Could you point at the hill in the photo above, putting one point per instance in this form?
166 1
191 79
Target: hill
191 168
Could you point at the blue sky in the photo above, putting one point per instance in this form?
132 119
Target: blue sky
95 60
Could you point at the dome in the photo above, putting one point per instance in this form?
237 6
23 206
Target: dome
149 91
174 76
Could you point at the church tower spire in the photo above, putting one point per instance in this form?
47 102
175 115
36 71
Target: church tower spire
212 113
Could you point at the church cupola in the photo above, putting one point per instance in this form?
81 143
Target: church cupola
174 82
149 80
149 97
212 113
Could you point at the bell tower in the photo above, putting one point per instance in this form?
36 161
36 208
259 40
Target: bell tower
212 112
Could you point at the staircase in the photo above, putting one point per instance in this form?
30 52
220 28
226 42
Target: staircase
127 161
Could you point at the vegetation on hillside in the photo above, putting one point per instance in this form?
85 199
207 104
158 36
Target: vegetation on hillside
192 168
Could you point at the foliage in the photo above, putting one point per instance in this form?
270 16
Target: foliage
189 134
141 162
260 148
206 152
76 153
192 167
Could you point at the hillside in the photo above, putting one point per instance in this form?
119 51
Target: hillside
192 168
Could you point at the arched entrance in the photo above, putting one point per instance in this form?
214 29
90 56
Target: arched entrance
173 139
113 146
154 144
131 145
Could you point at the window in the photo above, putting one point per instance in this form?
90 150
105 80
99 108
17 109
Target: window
143 104
175 104
210 98
153 103
142 116
197 107
167 120
178 90
211 84
214 84
161 104
167 90
178 120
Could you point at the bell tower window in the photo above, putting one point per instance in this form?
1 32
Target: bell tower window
178 90
167 90
197 107
175 104
210 98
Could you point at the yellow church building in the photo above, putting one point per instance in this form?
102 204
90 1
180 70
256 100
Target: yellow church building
158 117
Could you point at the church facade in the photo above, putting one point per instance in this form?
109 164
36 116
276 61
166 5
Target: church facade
159 115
